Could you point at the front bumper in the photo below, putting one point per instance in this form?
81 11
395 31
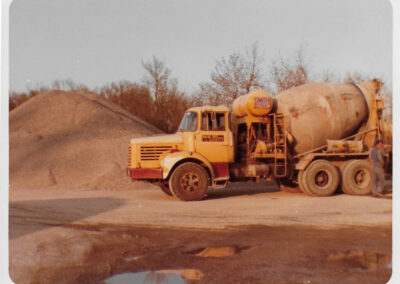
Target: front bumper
144 173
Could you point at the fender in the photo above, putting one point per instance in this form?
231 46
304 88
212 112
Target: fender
305 161
169 160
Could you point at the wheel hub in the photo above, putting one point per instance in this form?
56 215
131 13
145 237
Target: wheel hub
190 182
321 178
359 177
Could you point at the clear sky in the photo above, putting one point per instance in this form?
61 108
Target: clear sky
99 41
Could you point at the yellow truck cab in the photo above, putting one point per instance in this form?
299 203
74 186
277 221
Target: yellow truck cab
186 163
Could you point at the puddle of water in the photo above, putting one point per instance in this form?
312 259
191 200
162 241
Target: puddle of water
216 251
176 276
189 274
364 259
133 258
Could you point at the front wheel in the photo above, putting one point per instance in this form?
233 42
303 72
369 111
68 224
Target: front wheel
189 182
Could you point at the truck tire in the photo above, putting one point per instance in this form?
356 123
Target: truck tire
189 182
301 184
321 178
164 187
342 168
288 186
357 177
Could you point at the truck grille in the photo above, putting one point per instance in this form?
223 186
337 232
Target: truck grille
152 153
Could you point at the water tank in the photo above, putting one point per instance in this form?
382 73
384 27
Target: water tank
256 103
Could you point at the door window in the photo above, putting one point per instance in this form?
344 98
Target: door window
213 121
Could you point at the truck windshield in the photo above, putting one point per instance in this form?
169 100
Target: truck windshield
189 122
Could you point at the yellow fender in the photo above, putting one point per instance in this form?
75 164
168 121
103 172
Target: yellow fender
169 160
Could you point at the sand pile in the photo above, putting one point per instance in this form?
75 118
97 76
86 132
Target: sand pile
72 140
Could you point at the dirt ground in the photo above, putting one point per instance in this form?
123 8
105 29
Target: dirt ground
248 233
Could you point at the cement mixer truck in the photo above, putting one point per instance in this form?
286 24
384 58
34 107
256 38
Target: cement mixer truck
314 138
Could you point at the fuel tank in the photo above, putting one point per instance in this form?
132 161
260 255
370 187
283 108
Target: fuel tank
256 103
317 112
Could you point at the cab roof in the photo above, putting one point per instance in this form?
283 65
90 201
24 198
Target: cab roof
210 108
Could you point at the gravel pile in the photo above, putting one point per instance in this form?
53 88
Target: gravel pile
72 140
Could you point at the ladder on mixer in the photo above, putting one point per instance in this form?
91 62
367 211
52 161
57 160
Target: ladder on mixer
280 145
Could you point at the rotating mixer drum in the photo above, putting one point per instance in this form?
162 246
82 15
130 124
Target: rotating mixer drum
317 112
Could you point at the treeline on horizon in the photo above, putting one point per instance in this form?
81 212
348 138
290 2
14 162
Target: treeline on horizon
158 100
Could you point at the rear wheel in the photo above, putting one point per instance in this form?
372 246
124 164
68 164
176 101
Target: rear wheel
357 177
342 168
321 178
189 182
301 183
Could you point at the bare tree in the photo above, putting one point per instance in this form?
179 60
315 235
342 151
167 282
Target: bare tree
169 103
386 93
133 97
355 77
199 97
68 85
17 99
158 76
327 76
234 76
290 71
388 103
253 73
173 106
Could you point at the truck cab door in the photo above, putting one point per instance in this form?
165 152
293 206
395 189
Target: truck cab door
215 139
